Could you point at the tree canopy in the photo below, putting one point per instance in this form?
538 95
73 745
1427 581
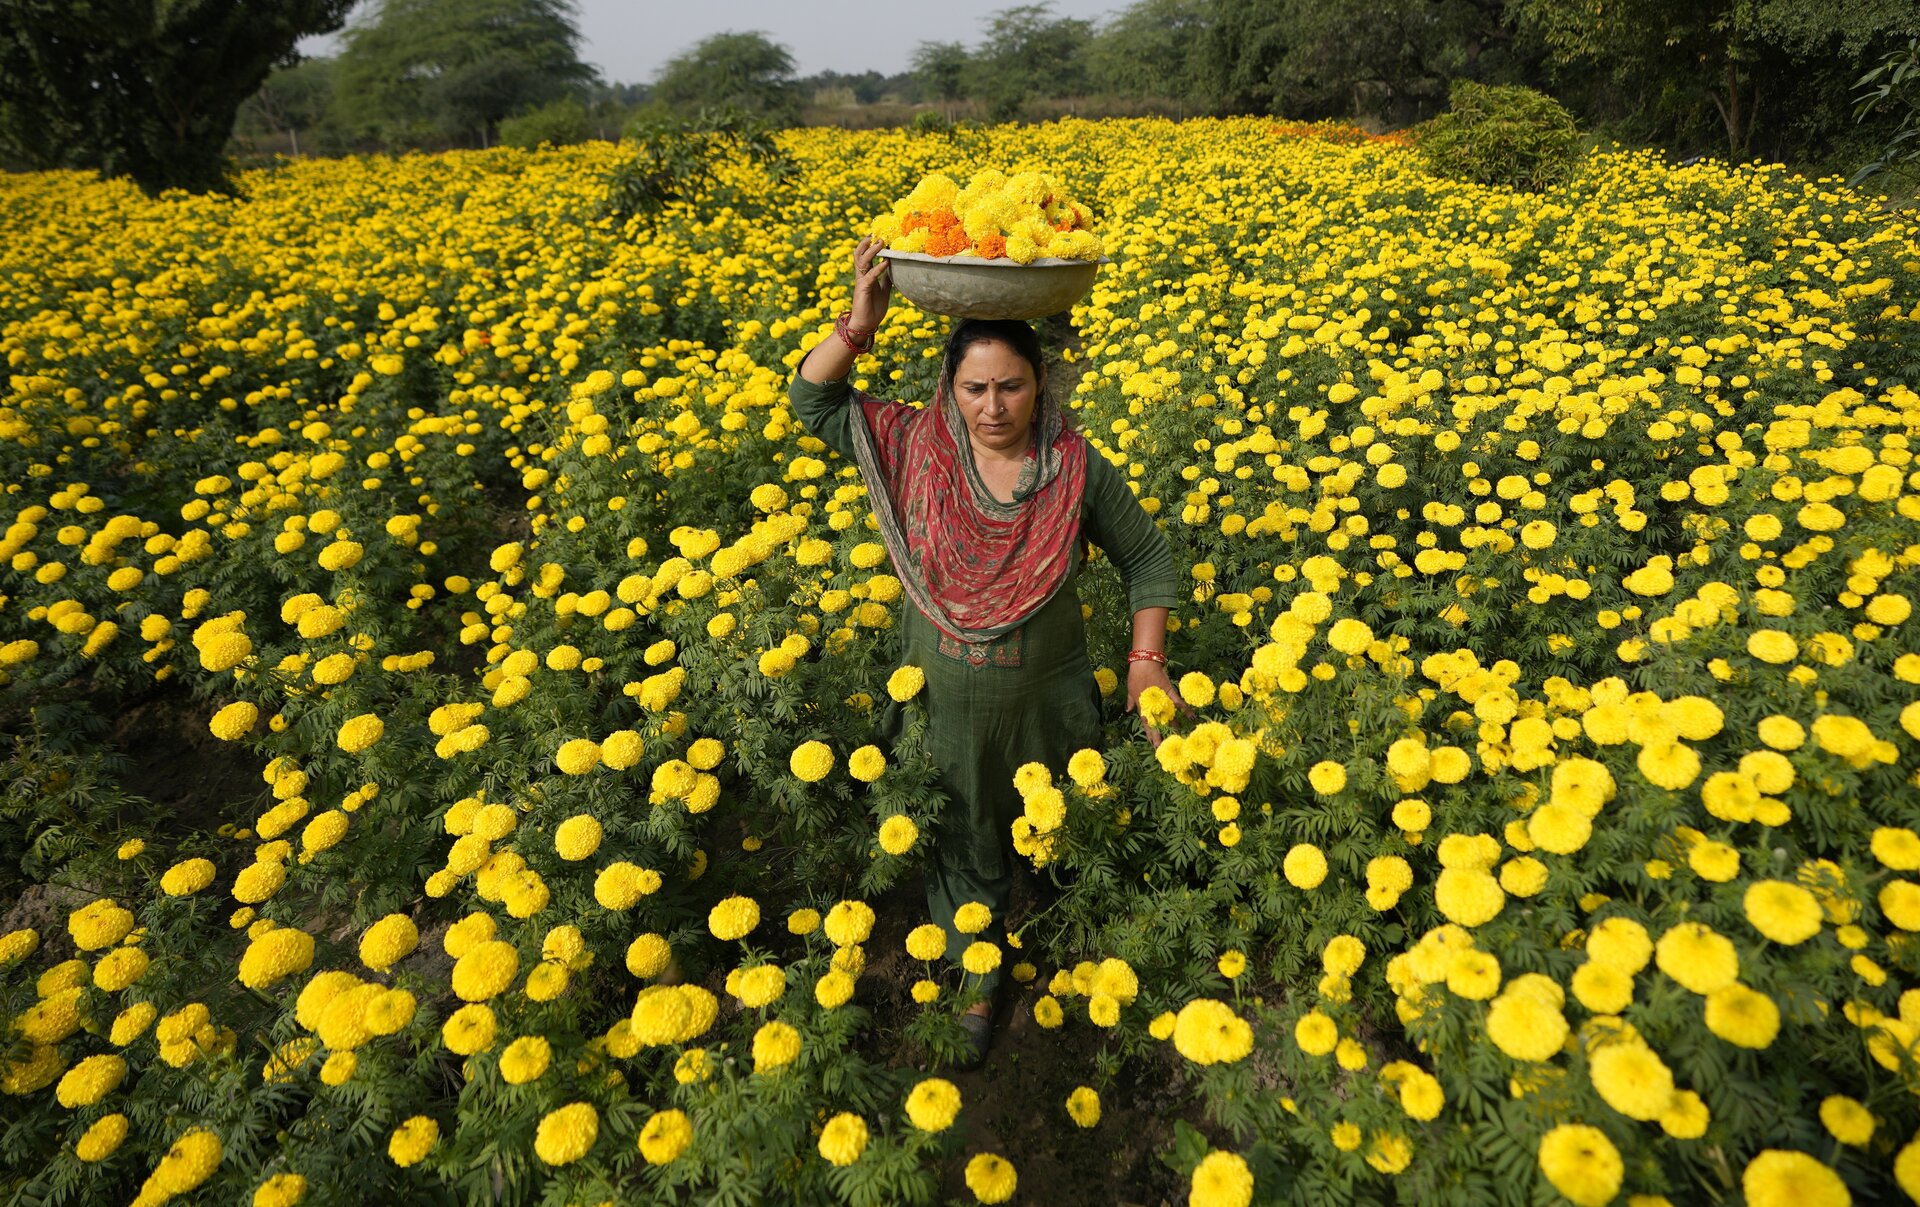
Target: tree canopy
450 71
139 88
748 71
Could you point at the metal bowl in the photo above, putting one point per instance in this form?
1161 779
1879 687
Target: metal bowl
971 288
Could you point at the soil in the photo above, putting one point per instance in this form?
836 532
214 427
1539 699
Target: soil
195 781
1015 1103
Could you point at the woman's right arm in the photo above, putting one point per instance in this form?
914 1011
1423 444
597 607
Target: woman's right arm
819 391
831 359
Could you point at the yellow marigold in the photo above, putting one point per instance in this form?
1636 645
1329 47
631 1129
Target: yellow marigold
843 1139
468 1030
933 1104
274 956
1699 959
733 917
775 1045
280 1190
566 1134
190 1162
577 838
1305 866
1772 646
1743 1017
1782 1178
926 942
1783 912
849 922
485 971
187 877
1847 1120
1208 1032
234 721
258 881
1083 1106
811 761
1670 765
834 989
1525 1025
867 764
1632 1079
1582 1164
99 923
665 1136
648 955
577 756
991 1177
1327 777
358 733
102 1138
91 1080
898 834
120 968
413 1140
1315 1033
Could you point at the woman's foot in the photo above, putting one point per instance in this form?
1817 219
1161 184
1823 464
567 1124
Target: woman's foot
978 1024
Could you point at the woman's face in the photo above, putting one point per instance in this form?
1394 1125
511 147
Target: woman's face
997 394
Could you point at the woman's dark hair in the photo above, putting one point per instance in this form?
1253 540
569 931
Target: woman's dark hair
1016 334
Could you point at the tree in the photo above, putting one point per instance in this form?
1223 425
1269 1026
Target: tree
748 71
1153 48
1029 52
942 69
293 99
1392 59
422 71
141 89
1731 58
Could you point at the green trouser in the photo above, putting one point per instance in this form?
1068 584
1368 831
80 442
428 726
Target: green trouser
949 888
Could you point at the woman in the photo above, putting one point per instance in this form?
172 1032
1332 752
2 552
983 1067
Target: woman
984 499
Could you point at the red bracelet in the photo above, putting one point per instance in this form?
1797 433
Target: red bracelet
1147 656
853 337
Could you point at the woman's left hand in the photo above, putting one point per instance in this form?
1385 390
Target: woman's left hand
1141 676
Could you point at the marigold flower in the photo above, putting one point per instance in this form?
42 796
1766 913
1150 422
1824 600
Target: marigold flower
1582 1164
665 1136
566 1134
413 1140
1221 1179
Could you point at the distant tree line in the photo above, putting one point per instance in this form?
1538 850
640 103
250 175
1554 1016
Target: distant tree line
153 91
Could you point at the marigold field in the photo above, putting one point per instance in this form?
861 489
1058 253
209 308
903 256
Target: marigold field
1539 822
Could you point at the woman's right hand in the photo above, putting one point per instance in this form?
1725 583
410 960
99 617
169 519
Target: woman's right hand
872 285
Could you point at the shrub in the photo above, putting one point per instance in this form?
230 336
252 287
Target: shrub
1508 136
561 123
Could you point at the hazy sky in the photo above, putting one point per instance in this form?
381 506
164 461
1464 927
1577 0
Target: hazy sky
629 40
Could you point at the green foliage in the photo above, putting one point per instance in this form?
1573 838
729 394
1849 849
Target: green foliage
1509 136
1893 88
931 121
1028 52
449 71
1316 58
746 71
1152 48
942 69
293 101
1744 75
679 159
559 123
137 89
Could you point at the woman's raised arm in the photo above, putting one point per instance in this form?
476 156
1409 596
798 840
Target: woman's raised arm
832 358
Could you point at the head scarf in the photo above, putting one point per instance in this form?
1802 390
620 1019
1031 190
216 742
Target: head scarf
974 566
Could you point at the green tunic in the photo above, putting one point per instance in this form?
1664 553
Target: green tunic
1028 696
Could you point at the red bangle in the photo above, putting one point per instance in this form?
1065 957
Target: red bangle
853 337
1147 656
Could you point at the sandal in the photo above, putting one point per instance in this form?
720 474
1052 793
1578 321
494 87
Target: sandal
979 1029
